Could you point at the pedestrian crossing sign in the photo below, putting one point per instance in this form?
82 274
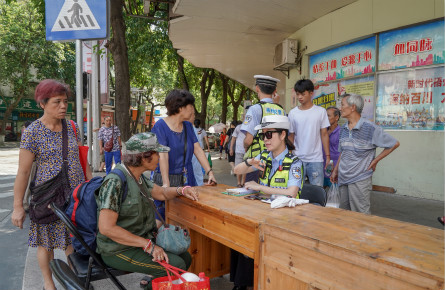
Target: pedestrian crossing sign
76 19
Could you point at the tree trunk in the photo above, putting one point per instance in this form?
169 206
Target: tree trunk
206 84
181 72
225 86
235 102
119 50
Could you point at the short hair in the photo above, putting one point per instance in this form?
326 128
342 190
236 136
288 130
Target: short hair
355 100
337 112
265 89
50 88
135 160
304 85
177 99
197 123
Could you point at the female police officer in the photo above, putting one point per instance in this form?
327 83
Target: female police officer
281 175
281 170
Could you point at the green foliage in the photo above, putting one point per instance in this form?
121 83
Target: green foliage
26 55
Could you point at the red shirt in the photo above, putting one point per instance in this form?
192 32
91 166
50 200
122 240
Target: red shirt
222 138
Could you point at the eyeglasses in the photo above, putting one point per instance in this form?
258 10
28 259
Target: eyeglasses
267 134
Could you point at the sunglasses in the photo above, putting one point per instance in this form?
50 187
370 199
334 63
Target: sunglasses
267 134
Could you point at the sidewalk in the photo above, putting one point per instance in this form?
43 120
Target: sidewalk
394 206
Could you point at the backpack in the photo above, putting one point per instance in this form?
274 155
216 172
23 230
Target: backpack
82 210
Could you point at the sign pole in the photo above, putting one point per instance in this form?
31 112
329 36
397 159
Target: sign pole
95 98
79 89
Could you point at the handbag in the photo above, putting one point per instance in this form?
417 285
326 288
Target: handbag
171 238
108 147
56 190
83 153
167 282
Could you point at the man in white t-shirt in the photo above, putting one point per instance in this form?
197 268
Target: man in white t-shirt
308 132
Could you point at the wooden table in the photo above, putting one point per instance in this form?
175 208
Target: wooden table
309 247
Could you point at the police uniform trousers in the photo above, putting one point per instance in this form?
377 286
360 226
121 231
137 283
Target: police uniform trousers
241 269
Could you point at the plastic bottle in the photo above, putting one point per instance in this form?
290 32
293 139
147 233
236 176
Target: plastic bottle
329 168
202 276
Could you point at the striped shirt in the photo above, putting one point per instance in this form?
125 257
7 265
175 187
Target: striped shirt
357 147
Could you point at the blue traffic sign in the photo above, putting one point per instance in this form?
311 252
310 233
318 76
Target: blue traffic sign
76 19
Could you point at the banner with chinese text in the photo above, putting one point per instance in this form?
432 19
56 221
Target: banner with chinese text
411 100
327 95
354 59
412 46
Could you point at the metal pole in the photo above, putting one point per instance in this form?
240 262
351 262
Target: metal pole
79 88
95 98
89 129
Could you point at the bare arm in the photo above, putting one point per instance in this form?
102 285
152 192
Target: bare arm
232 144
325 140
26 158
334 174
248 140
167 193
290 191
207 142
163 166
382 155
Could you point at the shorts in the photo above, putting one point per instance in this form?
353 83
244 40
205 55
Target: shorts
239 157
221 148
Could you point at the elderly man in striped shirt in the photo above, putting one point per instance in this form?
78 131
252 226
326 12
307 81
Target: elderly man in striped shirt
359 139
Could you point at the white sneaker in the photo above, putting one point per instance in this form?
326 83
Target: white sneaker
231 172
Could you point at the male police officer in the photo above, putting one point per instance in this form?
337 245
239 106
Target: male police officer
265 87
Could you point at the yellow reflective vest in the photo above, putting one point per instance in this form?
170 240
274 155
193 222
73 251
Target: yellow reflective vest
280 178
257 145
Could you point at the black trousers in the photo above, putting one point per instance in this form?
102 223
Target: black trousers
241 269
253 176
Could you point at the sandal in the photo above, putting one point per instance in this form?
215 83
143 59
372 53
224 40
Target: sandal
440 219
145 281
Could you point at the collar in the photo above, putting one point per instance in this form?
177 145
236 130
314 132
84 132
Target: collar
266 100
357 126
280 156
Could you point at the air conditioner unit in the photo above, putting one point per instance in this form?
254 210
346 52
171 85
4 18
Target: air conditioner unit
284 53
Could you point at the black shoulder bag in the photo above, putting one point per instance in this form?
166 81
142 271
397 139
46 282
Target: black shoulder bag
56 190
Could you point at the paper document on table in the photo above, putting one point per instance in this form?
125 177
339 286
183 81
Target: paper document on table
240 191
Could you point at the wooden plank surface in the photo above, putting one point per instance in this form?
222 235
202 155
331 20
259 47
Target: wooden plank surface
381 246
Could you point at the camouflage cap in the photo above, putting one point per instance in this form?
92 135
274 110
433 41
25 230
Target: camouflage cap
143 142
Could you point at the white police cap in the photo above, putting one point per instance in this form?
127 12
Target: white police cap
266 80
274 121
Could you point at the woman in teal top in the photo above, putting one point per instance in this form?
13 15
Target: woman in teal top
125 238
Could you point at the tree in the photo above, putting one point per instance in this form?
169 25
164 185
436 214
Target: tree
118 47
22 63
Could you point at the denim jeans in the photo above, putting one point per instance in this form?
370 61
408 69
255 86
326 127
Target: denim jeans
109 159
315 172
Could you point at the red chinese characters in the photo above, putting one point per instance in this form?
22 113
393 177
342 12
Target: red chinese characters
324 66
413 46
356 58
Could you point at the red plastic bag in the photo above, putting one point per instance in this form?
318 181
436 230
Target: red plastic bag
165 283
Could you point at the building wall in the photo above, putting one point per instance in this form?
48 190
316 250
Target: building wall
416 168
